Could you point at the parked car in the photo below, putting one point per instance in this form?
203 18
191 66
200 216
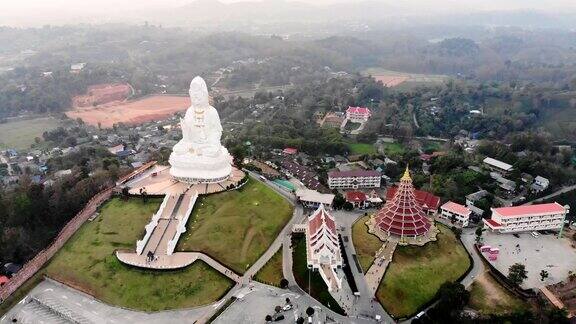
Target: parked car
278 318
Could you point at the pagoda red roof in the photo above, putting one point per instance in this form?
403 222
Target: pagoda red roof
403 214
426 200
549 208
358 110
318 219
355 196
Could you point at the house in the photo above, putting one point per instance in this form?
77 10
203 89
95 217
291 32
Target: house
77 67
3 280
455 213
358 114
11 268
354 179
313 199
498 166
540 184
472 198
290 151
323 248
358 199
525 218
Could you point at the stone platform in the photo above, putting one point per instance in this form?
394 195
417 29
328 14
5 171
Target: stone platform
158 181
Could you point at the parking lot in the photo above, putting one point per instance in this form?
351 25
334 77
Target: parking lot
545 252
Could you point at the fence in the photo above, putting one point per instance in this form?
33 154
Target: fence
32 266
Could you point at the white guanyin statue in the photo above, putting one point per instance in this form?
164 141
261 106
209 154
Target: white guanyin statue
199 157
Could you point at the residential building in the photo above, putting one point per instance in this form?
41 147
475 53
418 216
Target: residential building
290 151
323 248
313 199
354 179
497 165
307 176
540 184
452 211
358 114
472 198
523 218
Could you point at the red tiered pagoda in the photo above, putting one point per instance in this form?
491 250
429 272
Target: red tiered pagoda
402 215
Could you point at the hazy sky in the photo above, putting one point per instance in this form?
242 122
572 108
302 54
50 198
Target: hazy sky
38 12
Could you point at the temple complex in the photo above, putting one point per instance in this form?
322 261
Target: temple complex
403 218
322 247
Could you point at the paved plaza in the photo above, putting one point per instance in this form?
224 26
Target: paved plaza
546 252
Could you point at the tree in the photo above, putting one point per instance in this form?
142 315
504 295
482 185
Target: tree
309 311
452 296
517 273
284 283
543 275
557 316
278 309
268 318
287 300
348 206
300 320
478 232
457 231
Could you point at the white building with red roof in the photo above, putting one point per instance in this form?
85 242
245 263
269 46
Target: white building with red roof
358 114
358 199
524 218
354 179
453 211
323 248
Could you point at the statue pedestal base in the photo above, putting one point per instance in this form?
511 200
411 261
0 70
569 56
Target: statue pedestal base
195 169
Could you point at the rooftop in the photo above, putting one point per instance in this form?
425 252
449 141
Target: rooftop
549 208
456 208
353 173
314 196
499 164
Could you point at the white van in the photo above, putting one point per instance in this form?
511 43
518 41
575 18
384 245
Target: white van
535 234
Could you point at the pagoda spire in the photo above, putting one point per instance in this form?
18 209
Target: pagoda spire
406 176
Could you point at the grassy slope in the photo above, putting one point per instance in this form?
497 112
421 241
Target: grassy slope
271 273
318 288
416 273
87 262
365 243
236 227
393 148
20 134
488 297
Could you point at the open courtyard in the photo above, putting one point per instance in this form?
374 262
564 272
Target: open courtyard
416 273
236 227
87 262
545 252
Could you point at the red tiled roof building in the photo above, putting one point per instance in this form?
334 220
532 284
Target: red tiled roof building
403 214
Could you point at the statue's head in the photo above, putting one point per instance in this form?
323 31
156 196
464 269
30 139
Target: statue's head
199 93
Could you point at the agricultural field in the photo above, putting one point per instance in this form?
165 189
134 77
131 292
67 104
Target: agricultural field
416 273
365 244
236 227
87 262
20 134
394 79
133 112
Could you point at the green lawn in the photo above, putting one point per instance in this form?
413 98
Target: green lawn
20 134
393 149
488 297
305 276
365 244
87 262
416 273
271 273
361 149
236 227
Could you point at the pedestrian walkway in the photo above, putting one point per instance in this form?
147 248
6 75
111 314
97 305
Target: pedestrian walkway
376 272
